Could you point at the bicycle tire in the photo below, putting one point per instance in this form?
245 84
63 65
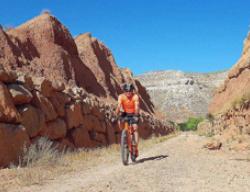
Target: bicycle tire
124 148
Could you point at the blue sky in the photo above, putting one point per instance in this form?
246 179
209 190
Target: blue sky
148 35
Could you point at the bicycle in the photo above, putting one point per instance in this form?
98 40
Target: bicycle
128 143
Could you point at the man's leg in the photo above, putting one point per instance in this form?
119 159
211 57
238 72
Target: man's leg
135 126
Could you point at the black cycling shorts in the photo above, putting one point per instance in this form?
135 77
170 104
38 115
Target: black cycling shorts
134 118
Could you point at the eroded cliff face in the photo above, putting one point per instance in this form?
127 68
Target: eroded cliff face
44 47
101 62
99 59
230 107
236 85
180 95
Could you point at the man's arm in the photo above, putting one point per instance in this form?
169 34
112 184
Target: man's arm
137 105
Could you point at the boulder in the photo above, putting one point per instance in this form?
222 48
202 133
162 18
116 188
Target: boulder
13 138
20 94
65 144
213 145
33 119
110 133
101 138
59 101
86 108
58 85
145 129
81 137
43 85
8 111
74 117
45 105
7 76
95 110
55 129
26 81
93 123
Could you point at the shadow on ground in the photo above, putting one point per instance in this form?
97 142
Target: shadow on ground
159 157
247 160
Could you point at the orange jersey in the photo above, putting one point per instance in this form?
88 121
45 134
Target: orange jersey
128 104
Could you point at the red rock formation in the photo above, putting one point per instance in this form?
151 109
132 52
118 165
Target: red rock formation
7 51
12 140
237 84
231 106
8 111
44 47
68 99
101 62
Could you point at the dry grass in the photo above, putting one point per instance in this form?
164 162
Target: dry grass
42 162
241 101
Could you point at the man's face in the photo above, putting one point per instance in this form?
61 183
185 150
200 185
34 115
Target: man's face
129 94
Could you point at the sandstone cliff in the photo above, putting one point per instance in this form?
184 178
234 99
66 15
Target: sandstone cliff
230 107
101 62
237 84
44 47
99 59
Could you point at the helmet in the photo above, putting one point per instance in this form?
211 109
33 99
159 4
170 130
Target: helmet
128 87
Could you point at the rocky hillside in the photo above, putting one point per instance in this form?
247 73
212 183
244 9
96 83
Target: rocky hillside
54 86
44 47
101 62
99 59
181 95
237 83
230 107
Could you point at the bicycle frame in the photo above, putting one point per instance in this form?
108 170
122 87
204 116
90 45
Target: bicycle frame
130 130
128 144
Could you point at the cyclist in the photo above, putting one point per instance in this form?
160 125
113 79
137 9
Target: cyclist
128 105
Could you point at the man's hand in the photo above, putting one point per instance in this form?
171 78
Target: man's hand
136 117
114 119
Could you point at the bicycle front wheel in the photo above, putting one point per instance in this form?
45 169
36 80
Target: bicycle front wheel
124 147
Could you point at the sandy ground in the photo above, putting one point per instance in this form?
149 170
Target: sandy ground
176 165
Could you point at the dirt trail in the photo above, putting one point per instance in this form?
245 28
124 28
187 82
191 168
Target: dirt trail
177 165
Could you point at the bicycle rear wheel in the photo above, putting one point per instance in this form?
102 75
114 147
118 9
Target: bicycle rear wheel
124 147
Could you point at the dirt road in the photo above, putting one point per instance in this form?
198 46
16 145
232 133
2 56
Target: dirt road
179 164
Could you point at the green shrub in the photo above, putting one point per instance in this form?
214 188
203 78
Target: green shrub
191 124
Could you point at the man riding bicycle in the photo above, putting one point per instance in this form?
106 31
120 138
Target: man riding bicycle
128 105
